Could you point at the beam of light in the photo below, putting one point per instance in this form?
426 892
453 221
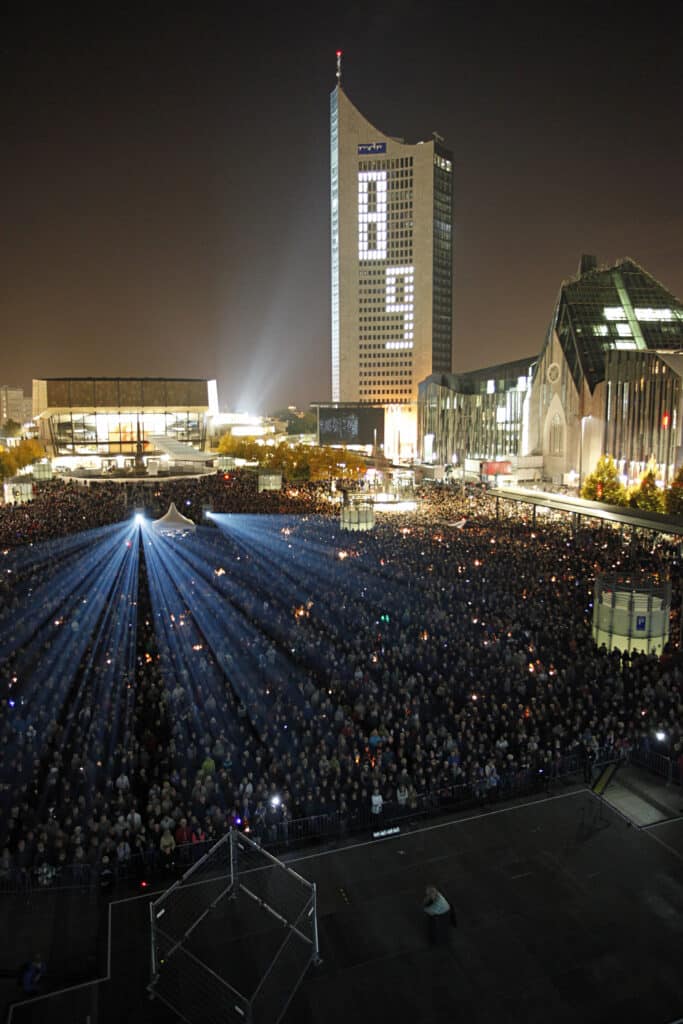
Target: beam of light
261 578
292 565
67 665
201 638
190 671
53 575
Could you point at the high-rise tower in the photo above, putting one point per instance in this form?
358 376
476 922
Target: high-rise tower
392 259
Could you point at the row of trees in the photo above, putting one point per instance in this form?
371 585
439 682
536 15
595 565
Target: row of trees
19 456
603 484
296 462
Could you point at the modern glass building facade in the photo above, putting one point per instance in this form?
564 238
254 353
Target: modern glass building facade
119 416
478 415
643 409
391 260
604 382
607 380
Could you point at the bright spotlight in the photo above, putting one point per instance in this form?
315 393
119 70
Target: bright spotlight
139 518
660 735
275 801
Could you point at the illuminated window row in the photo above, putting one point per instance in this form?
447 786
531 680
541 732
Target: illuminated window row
391 164
646 314
373 348
395 214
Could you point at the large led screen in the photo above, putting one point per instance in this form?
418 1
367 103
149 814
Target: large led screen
351 424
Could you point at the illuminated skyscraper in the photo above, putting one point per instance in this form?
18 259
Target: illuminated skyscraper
392 259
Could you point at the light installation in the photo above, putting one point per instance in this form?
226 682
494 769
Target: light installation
227 621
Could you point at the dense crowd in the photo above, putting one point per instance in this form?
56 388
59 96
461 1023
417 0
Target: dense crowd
59 508
354 674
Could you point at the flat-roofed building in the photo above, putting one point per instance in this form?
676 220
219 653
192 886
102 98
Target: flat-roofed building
122 416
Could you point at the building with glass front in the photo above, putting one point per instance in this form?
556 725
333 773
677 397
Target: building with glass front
12 405
608 380
475 415
392 263
122 418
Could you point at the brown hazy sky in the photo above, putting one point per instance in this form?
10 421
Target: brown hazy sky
165 178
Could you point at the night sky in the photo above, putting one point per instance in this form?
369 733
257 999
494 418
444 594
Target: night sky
165 177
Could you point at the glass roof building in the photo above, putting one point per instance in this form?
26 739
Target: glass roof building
608 380
621 308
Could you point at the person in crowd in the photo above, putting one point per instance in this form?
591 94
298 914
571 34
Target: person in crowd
423 666
167 846
32 974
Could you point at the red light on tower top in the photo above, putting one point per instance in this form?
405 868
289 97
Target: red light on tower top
339 57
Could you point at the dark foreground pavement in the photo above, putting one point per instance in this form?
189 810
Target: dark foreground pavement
566 913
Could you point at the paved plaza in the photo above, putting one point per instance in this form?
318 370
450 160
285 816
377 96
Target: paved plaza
566 913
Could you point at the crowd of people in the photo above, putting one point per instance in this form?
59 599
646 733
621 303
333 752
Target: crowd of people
59 508
349 677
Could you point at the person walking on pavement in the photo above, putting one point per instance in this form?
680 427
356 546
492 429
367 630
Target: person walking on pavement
440 915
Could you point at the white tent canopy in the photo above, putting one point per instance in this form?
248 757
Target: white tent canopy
173 521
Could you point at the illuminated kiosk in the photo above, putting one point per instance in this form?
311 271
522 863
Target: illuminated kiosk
357 516
174 522
631 614
269 482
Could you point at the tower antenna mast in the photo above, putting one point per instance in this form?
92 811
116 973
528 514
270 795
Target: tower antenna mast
339 57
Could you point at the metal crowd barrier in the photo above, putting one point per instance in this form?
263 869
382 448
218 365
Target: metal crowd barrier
149 867
659 764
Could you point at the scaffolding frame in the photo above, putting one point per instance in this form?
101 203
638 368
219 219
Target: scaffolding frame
281 902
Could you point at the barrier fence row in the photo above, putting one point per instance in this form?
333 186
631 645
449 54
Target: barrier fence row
152 867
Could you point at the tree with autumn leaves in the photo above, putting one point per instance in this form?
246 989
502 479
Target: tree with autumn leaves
603 484
646 495
19 456
295 462
673 497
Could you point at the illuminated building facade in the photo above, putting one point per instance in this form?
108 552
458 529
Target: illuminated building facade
11 404
479 414
608 380
121 417
392 260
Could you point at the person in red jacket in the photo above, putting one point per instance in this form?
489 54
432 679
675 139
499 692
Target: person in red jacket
183 841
